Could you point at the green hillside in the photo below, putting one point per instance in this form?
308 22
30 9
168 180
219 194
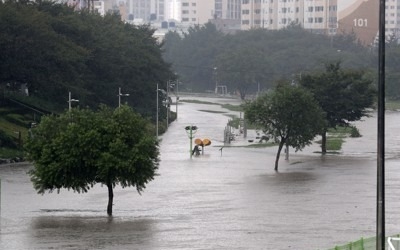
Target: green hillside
15 121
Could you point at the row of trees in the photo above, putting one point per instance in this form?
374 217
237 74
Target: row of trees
294 114
256 59
54 50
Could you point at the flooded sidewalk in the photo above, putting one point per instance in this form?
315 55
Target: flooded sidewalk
225 198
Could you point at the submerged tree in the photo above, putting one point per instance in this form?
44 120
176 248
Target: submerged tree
344 96
289 114
80 148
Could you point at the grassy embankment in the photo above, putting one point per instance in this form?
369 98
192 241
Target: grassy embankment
14 127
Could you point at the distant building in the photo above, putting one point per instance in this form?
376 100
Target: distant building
147 10
227 9
196 12
319 16
322 16
314 15
99 7
173 10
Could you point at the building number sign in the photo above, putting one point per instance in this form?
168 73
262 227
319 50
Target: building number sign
360 22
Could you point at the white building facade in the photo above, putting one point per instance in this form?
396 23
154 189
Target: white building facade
196 12
316 15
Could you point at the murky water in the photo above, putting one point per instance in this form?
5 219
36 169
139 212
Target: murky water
221 200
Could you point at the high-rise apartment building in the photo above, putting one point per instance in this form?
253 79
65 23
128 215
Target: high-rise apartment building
362 18
392 17
317 15
148 10
196 11
173 10
227 9
322 16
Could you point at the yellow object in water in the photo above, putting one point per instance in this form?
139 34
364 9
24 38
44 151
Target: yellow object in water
206 142
198 141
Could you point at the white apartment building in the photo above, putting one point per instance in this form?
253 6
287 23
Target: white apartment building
227 9
173 11
315 15
147 10
392 17
99 7
196 11
320 16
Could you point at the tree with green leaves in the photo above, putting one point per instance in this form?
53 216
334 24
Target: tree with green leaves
82 147
344 95
193 56
392 70
256 58
242 68
289 114
55 50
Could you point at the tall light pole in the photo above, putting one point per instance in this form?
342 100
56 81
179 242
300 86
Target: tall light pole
380 213
70 101
190 131
177 97
216 80
167 101
119 96
157 113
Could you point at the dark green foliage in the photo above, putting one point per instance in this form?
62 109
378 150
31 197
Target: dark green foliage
289 114
255 59
55 49
6 141
193 55
81 148
344 95
354 132
393 71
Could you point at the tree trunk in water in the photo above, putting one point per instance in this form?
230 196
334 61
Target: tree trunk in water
278 154
242 95
110 199
323 143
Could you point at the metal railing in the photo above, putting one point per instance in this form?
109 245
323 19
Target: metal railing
393 246
393 243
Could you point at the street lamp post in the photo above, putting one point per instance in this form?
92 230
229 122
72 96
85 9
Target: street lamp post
167 102
216 80
190 131
70 101
119 96
157 110
177 98
380 199
157 113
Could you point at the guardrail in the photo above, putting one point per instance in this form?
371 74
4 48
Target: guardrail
370 244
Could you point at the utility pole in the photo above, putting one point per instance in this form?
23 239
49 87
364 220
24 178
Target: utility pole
380 211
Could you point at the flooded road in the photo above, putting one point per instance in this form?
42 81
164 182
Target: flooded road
220 200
